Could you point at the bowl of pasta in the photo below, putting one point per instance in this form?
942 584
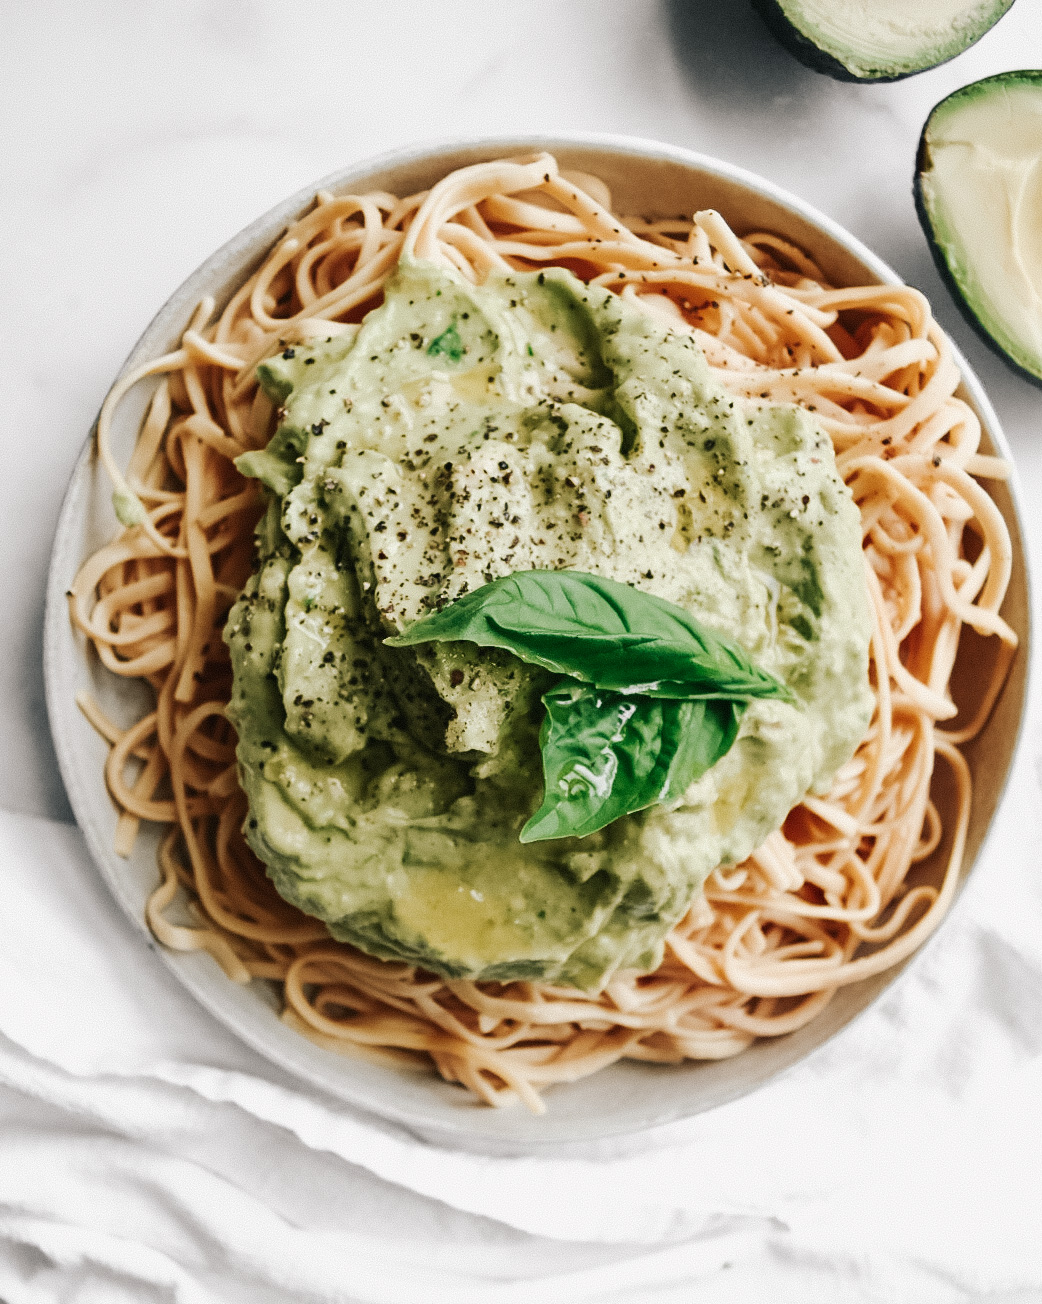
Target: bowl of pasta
325 831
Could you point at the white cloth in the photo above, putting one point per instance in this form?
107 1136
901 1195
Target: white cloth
147 1155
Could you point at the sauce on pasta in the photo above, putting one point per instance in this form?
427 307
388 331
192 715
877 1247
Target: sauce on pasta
826 900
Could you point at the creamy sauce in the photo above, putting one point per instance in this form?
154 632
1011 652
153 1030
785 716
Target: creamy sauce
464 433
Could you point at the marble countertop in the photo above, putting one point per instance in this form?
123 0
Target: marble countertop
140 138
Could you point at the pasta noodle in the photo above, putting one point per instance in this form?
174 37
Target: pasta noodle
826 900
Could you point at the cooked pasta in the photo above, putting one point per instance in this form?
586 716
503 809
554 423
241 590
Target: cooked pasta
826 900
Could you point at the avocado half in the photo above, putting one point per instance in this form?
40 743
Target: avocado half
978 193
878 40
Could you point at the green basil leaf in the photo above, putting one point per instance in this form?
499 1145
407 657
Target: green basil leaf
608 754
601 632
708 729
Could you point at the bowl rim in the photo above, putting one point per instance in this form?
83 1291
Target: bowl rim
461 1129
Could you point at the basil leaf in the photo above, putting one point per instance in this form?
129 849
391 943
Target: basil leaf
601 632
651 698
708 729
608 754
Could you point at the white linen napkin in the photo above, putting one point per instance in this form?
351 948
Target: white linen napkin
148 1155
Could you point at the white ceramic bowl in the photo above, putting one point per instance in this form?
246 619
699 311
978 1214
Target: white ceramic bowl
645 177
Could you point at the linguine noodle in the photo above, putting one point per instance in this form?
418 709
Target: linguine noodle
826 900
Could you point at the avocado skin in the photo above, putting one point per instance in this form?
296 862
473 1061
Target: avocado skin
801 47
936 246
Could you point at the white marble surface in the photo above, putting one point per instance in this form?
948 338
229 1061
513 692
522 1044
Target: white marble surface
139 137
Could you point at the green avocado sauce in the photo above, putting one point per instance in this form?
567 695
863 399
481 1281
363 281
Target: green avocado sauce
463 433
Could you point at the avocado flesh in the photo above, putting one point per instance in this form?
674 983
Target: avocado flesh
463 433
979 196
878 40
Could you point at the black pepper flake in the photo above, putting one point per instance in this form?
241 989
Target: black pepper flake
456 678
289 353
